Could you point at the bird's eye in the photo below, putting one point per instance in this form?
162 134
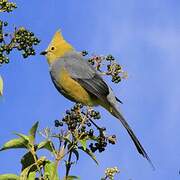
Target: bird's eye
52 48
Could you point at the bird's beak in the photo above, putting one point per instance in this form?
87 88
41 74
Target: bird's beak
43 53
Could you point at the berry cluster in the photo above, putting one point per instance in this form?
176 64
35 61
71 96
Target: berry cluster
6 6
94 114
91 61
84 53
25 40
58 123
112 139
81 120
22 40
1 30
113 68
3 47
72 118
101 143
110 58
110 173
3 58
2 25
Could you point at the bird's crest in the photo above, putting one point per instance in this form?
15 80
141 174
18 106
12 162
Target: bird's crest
57 47
57 38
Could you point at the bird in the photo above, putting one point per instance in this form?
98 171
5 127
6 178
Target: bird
80 82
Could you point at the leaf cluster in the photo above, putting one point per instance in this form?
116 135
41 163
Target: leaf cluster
82 137
33 167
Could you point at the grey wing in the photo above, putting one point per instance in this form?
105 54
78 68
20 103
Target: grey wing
86 75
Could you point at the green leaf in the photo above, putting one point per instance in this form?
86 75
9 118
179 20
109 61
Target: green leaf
30 171
49 170
32 176
83 143
1 85
25 172
71 178
94 138
23 136
15 143
66 139
76 154
32 132
90 153
9 177
41 161
47 144
27 160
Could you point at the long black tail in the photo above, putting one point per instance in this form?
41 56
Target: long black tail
138 145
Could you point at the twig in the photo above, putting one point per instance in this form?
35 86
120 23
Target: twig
95 124
68 165
36 161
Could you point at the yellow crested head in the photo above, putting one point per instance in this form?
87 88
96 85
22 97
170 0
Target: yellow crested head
57 47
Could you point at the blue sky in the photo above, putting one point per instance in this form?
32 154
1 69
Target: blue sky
145 37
